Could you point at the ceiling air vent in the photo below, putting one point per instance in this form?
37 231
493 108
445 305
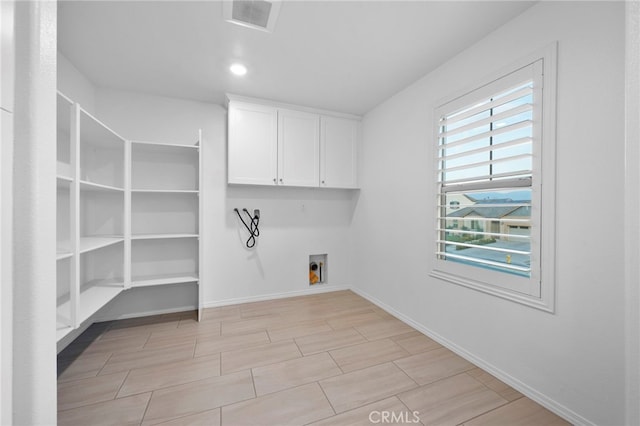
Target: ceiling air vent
258 14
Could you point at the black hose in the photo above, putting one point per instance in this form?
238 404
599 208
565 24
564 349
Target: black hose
252 227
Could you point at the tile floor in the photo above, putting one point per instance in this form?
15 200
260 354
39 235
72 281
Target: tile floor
325 359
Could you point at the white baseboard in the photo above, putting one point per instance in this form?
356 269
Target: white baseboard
318 288
540 398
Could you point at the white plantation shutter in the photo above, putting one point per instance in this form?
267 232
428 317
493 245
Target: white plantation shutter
488 144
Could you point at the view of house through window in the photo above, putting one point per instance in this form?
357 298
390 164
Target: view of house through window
491 229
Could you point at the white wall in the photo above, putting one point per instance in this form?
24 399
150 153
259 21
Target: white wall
75 85
34 176
632 209
572 360
7 71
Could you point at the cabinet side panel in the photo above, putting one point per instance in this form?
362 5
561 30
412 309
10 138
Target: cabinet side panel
339 152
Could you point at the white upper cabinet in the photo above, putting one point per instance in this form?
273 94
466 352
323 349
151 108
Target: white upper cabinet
298 148
338 152
253 147
284 145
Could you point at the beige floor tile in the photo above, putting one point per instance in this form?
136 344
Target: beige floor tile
206 418
501 388
383 329
170 374
89 391
321 342
120 333
146 358
84 366
373 414
252 324
297 406
125 344
365 386
433 365
298 329
196 397
351 302
367 354
258 356
222 313
348 319
451 401
288 374
416 342
167 341
216 344
303 315
209 328
118 412
339 311
384 314
522 412
265 308
190 322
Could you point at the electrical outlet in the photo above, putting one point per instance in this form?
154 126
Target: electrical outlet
256 213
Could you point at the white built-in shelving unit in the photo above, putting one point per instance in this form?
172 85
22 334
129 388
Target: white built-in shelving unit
165 214
128 215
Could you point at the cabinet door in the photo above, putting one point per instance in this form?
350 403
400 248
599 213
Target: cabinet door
253 144
298 148
338 152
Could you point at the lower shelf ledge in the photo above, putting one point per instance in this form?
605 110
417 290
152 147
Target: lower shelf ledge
62 331
165 279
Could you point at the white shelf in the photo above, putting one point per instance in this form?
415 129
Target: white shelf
63 180
162 236
163 280
92 186
161 144
88 244
63 254
62 330
96 294
165 191
93 296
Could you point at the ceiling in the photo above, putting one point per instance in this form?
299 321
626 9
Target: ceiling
345 56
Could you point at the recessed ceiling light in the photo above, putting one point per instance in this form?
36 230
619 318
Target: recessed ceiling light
238 69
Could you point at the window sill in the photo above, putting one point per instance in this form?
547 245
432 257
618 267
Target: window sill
504 293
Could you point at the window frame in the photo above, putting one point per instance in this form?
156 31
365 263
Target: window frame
538 291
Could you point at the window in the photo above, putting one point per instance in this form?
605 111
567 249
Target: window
490 145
